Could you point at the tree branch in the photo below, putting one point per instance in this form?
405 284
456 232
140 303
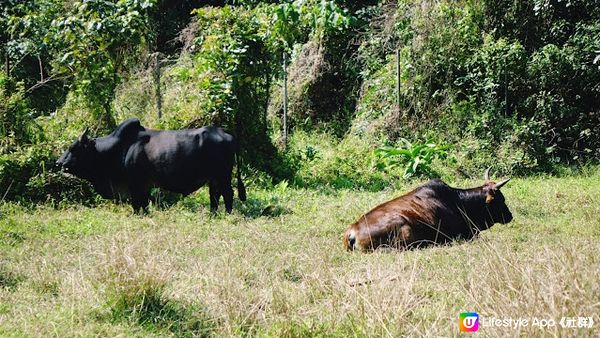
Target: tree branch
45 81
41 68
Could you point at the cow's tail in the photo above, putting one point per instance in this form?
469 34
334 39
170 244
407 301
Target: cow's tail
240 185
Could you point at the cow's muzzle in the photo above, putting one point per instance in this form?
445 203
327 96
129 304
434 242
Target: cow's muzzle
507 218
58 165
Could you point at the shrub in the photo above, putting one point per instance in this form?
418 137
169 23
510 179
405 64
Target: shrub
16 119
17 168
28 175
322 161
57 187
415 158
322 80
483 78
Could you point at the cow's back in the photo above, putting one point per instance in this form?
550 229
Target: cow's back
183 160
411 219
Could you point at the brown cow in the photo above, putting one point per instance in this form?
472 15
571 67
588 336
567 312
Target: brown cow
433 213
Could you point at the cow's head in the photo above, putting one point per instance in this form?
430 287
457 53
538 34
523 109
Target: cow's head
80 157
496 208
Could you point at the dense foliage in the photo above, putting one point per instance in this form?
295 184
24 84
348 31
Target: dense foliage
510 83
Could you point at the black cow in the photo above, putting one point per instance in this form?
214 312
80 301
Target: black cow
133 159
433 213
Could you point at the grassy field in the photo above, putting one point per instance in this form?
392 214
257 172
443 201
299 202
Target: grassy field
276 267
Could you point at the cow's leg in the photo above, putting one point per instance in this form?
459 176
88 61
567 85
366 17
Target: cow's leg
215 195
139 200
227 191
404 236
228 196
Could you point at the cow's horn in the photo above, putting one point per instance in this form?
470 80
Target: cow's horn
501 183
486 175
84 134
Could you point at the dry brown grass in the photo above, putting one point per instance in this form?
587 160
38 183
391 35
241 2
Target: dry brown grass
232 275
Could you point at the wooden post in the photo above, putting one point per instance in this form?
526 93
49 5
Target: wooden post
398 79
285 101
505 89
157 84
41 68
6 62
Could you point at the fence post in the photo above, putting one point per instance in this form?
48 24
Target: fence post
157 84
505 88
398 79
285 101
6 62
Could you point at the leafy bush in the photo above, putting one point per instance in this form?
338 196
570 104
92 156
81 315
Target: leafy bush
322 161
482 77
17 168
222 79
16 120
59 188
415 158
28 175
321 83
23 27
93 41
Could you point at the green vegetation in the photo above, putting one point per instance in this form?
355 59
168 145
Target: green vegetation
415 158
491 92
514 85
510 84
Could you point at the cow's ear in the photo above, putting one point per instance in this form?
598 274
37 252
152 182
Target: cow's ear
88 143
84 135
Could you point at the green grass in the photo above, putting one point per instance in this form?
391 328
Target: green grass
276 267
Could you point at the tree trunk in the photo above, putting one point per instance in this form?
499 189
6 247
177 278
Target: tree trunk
285 102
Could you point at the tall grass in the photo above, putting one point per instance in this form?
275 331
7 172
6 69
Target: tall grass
184 272
135 282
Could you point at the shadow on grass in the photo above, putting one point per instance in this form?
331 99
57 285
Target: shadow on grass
261 207
9 280
254 207
144 303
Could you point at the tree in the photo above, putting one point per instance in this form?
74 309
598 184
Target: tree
94 42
